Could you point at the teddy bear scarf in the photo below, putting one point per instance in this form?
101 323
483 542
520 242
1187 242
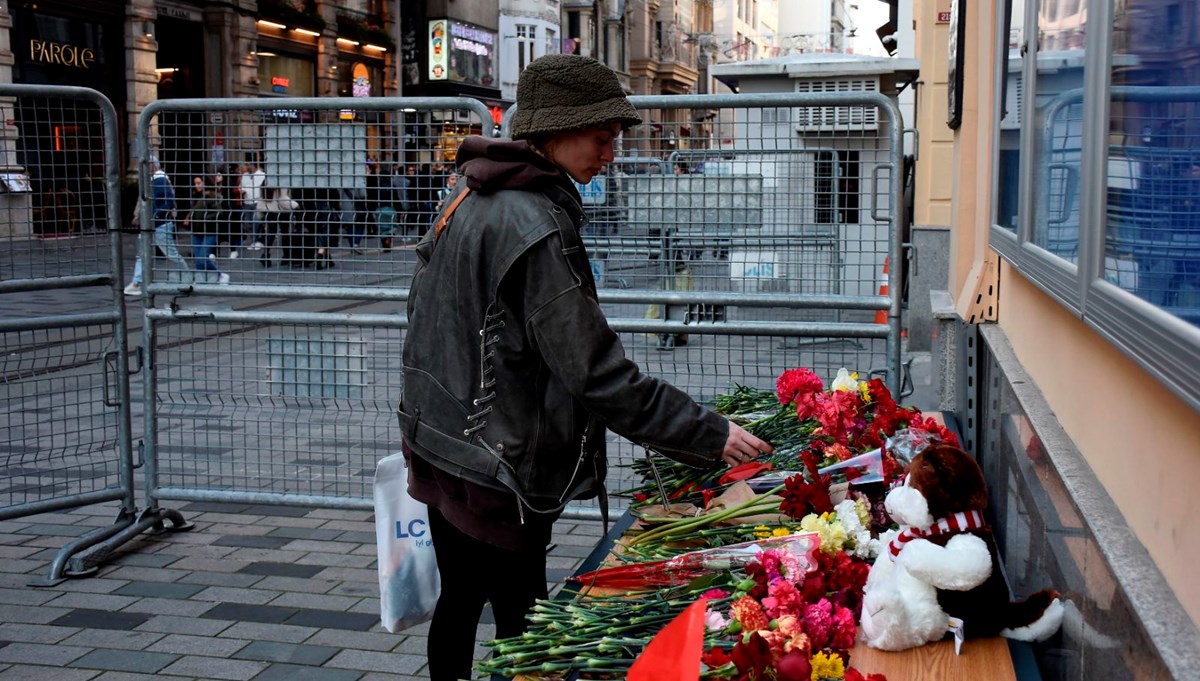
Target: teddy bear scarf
951 524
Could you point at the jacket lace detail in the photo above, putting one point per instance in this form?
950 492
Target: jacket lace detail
492 322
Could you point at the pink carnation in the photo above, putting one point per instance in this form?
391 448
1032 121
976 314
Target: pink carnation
818 622
783 599
844 629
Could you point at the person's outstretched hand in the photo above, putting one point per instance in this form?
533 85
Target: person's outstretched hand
742 446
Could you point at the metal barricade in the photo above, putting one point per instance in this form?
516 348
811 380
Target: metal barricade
280 386
66 438
736 236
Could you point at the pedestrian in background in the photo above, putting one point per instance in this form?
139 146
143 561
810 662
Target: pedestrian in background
507 399
253 206
162 215
203 219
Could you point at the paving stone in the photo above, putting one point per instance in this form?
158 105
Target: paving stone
184 644
100 619
368 605
377 676
211 668
362 589
283 633
359 640
139 573
22 566
350 574
341 514
268 568
290 653
57 655
126 660
327 619
196 626
34 633
237 530
100 584
299 585
197 507
149 560
231 518
42 615
289 672
226 594
316 601
279 512
252 555
230 579
358 537
313 534
170 606
316 546
254 542
29 597
24 672
107 602
111 638
130 676
250 613
208 564
23 551
55 530
367 661
159 590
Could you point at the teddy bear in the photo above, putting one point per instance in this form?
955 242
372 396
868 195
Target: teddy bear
943 563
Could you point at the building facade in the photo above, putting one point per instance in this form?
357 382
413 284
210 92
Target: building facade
1059 152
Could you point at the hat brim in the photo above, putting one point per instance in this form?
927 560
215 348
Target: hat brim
549 120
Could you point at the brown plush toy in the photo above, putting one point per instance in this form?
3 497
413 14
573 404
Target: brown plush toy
943 563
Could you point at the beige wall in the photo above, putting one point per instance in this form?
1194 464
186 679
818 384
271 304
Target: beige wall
1141 440
936 148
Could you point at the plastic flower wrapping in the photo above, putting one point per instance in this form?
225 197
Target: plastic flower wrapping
779 548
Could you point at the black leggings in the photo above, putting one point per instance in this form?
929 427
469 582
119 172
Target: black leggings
474 573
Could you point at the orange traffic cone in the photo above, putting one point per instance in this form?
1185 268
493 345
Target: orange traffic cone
881 315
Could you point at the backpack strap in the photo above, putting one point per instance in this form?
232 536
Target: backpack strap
445 219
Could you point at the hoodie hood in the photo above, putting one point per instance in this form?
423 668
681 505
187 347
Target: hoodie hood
492 164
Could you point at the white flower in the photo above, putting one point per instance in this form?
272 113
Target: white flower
847 513
715 621
845 381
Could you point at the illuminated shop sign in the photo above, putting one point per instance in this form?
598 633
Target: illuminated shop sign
61 54
279 84
439 57
461 53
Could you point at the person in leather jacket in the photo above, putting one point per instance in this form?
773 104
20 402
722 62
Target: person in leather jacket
511 372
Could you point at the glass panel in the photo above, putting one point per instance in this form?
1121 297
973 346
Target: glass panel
1059 125
1012 94
1153 193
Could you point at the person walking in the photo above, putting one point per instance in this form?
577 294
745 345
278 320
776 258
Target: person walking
506 400
162 212
253 206
203 219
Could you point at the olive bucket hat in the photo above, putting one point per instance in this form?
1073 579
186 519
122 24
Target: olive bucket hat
563 92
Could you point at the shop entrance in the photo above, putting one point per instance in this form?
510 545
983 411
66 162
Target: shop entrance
184 151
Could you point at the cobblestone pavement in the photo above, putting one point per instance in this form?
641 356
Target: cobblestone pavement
252 592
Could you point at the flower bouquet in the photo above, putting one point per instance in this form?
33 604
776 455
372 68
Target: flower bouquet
778 551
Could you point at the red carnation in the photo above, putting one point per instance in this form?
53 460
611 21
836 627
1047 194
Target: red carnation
794 383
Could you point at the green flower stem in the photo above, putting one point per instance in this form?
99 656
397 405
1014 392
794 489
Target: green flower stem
685 525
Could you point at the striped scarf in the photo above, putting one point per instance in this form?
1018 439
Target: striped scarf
952 524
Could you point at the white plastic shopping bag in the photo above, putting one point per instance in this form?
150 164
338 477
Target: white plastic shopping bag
409 583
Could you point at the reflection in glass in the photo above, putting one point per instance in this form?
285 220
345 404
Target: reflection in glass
1059 102
1153 192
1009 152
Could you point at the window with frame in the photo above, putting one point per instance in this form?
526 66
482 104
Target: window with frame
836 198
526 34
1097 171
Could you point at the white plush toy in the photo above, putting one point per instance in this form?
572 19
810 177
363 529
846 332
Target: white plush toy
943 563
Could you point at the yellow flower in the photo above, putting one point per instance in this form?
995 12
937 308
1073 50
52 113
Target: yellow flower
781 532
865 391
832 534
827 667
864 511
762 532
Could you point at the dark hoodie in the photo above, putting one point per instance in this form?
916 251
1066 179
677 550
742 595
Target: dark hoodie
491 164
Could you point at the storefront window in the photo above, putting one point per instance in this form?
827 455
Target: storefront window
1059 112
1153 179
358 79
284 76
